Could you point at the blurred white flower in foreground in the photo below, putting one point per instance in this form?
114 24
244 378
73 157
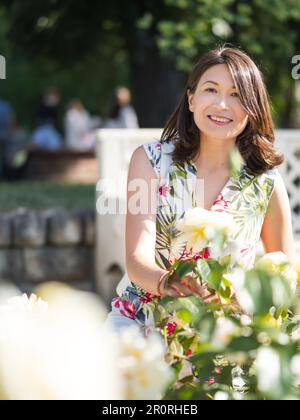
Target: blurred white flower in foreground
277 263
237 280
268 370
295 368
224 331
143 366
61 352
199 226
19 304
221 396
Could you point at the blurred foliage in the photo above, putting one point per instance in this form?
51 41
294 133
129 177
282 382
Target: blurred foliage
220 351
267 30
92 80
94 45
44 195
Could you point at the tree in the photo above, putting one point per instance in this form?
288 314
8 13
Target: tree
71 31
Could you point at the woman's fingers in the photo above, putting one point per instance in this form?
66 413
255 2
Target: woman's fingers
213 298
201 290
192 284
188 286
181 289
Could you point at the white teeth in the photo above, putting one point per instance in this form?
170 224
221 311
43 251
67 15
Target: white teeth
219 119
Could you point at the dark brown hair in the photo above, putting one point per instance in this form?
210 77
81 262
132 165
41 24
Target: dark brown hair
256 142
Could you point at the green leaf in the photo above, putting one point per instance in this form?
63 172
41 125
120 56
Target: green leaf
176 348
184 315
205 326
216 273
225 377
244 344
192 304
225 292
185 267
177 367
204 269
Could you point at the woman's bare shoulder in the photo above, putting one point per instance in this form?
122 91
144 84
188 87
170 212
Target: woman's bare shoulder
145 162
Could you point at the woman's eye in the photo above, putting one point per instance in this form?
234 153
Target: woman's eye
235 94
210 90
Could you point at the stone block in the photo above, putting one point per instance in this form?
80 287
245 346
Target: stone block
66 264
29 228
5 230
65 228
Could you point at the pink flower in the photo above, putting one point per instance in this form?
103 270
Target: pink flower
171 327
203 255
158 145
206 253
188 352
164 190
211 380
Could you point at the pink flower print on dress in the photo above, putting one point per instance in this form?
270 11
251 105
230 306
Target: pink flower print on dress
147 298
245 251
220 204
125 307
164 190
158 145
116 302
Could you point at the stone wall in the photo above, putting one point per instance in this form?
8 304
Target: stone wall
49 245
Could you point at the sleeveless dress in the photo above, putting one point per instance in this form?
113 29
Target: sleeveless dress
245 197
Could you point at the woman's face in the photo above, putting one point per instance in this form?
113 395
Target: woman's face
216 106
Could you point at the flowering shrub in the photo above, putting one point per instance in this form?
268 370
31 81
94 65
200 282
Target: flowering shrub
248 345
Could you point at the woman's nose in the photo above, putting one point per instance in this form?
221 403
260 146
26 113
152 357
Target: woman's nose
222 101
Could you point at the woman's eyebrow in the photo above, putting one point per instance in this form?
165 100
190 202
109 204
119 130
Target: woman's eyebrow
214 83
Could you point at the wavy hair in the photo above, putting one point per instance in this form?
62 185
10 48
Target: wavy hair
256 142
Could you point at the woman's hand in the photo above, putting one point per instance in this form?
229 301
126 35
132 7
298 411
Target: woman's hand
188 286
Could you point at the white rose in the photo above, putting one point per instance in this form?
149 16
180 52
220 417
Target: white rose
199 226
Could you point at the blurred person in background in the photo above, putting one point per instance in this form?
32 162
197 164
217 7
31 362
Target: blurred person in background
47 111
79 125
46 135
122 114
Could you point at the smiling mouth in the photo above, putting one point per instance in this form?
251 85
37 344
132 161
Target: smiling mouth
219 120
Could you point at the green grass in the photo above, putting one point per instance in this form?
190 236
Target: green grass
44 195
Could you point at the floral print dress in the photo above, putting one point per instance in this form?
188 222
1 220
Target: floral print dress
244 197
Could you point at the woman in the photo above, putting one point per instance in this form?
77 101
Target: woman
225 103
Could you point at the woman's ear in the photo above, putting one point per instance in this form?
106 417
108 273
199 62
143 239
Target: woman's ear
190 97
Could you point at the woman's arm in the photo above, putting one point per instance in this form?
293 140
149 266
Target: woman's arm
140 231
140 234
277 231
